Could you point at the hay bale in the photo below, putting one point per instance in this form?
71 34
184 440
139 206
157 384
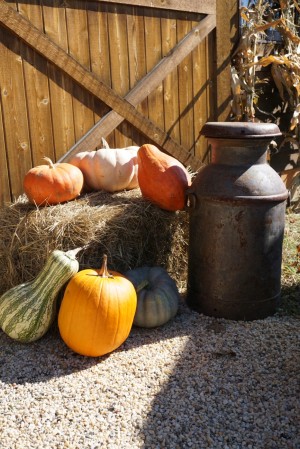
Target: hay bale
129 229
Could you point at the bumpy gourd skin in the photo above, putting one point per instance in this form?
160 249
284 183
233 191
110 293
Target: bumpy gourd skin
158 296
28 310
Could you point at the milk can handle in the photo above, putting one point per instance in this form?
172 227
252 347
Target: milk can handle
191 199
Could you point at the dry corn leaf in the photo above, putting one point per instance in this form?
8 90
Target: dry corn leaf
278 80
297 5
283 4
295 119
285 67
243 13
267 25
272 59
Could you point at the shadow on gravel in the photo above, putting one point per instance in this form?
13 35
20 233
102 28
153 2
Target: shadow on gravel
49 357
290 300
235 385
39 361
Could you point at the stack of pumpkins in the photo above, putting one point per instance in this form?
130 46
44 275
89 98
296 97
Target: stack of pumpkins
162 179
99 306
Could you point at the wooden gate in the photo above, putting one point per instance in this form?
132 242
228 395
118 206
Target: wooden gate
72 72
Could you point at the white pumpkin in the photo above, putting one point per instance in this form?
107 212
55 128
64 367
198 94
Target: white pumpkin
109 169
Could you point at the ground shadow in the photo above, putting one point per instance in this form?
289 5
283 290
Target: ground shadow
18 361
227 388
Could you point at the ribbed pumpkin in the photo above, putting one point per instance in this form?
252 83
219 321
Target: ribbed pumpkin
97 311
28 310
53 183
157 293
109 169
162 179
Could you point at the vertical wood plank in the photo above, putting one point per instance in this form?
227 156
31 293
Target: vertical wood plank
37 90
99 54
119 66
14 111
153 55
185 82
5 196
137 62
77 31
170 84
60 84
201 100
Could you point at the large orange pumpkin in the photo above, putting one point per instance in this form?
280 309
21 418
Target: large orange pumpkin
162 178
97 311
52 183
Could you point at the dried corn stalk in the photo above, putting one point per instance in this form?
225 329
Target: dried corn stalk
254 50
259 17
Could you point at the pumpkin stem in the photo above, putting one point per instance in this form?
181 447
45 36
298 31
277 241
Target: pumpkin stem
104 144
103 270
49 162
72 252
142 285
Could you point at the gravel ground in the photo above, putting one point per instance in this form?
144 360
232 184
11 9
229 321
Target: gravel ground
195 383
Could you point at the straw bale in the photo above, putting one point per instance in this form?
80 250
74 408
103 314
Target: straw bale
129 229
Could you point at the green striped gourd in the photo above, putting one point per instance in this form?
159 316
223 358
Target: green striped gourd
28 310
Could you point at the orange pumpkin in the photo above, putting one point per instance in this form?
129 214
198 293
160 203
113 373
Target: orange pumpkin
97 311
162 178
52 183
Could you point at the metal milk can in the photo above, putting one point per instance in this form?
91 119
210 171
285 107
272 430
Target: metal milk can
236 209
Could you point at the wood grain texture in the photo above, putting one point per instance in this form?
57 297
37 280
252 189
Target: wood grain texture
14 111
166 70
185 84
42 44
153 56
60 84
100 57
174 51
37 91
78 45
200 85
102 84
5 196
199 6
119 66
137 72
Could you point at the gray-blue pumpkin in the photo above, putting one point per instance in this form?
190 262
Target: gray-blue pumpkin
157 295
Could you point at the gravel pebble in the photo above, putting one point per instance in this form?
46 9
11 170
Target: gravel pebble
195 383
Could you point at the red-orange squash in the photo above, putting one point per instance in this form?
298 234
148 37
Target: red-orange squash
162 179
52 183
97 311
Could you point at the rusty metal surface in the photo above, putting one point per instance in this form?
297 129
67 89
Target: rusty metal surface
238 130
236 208
235 259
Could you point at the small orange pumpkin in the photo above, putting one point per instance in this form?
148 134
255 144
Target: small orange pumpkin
52 183
97 311
162 178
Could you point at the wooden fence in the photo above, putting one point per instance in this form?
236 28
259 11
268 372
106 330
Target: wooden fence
74 71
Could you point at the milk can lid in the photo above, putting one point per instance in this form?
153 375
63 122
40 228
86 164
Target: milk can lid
238 130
